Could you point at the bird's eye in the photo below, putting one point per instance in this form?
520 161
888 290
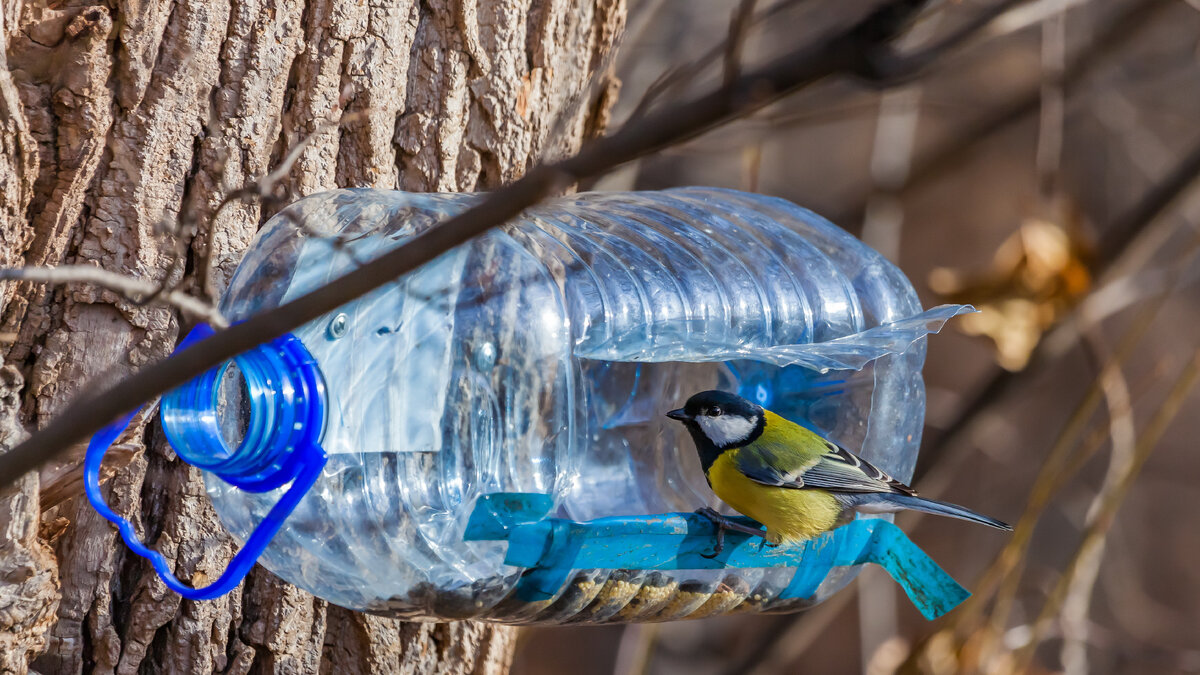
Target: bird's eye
714 412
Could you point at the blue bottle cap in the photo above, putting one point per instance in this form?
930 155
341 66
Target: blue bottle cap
283 400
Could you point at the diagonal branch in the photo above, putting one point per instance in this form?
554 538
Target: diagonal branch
859 49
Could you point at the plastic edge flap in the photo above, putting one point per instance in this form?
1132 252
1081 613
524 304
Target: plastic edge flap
851 352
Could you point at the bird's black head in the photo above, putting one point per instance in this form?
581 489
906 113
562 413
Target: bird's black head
720 419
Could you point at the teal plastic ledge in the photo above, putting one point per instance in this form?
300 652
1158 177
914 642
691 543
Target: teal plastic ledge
550 548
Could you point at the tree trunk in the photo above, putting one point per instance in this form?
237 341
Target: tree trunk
121 128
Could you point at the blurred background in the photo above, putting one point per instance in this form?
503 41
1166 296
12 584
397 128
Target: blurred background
1044 172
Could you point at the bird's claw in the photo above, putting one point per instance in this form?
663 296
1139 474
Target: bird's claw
722 524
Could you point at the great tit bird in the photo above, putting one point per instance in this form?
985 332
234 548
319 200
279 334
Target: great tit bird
788 478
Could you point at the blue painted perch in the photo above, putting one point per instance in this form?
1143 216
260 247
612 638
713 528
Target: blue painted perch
551 547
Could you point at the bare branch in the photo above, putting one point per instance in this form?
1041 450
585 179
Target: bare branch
849 51
1110 501
1119 236
135 290
932 164
1065 459
266 189
1053 108
891 159
678 76
891 68
739 28
1031 15
1077 602
1003 575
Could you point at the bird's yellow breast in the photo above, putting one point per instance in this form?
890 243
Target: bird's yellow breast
789 514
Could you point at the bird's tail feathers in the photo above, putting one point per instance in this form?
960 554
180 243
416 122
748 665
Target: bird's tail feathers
932 506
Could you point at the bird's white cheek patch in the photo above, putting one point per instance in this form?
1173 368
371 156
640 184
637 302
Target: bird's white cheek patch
727 429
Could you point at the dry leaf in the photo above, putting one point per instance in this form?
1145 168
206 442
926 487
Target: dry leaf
1037 274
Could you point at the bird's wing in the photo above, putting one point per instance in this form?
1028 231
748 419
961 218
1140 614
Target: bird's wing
776 465
814 462
839 470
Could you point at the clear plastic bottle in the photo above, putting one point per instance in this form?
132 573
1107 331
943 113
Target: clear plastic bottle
540 358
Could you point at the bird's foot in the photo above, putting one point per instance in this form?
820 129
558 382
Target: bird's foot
722 523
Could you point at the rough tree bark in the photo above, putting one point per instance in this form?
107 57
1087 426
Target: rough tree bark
121 127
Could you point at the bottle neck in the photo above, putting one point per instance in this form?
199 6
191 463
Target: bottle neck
245 419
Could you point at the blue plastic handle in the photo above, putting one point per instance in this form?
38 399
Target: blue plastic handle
302 467
550 548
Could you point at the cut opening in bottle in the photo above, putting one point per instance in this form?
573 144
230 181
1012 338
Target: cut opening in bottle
233 405
243 419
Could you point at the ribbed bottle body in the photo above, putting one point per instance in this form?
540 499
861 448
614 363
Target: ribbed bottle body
540 357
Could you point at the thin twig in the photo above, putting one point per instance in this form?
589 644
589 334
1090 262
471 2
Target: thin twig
739 28
1053 109
677 76
752 158
1120 234
858 49
266 190
1138 613
1000 582
129 287
1077 602
1113 497
1002 576
180 231
1030 15
1152 205
1125 25
933 164
891 158
893 70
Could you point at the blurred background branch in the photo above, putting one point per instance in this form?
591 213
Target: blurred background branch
1046 171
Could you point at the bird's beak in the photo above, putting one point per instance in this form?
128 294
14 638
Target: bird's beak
679 414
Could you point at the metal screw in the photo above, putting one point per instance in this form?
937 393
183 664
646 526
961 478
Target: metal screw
338 326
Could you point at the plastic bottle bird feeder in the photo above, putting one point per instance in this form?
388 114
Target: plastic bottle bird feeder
484 438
